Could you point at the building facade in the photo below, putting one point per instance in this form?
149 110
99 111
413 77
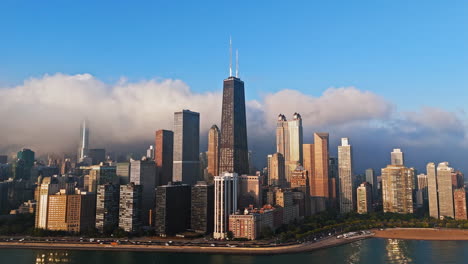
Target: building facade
459 197
226 195
289 141
186 168
107 207
445 190
320 184
233 146
250 191
202 213
130 207
173 206
433 197
397 157
144 173
276 170
364 198
397 189
345 172
163 155
214 137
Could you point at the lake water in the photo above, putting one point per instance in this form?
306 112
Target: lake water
375 250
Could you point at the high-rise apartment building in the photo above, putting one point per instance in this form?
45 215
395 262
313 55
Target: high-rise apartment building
214 137
459 197
45 190
422 186
107 207
84 141
130 207
320 185
433 197
226 195
289 141
173 205
397 157
186 167
445 190
308 161
364 198
276 170
202 213
250 191
233 152
143 172
397 189
164 154
345 172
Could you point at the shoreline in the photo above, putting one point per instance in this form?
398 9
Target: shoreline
431 234
292 249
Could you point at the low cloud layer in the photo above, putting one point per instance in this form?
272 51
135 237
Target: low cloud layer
44 114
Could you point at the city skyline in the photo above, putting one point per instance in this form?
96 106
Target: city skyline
383 120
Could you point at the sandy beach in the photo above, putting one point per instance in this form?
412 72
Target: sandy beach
423 233
328 242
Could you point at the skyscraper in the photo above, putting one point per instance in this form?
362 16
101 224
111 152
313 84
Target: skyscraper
150 152
276 170
364 199
84 140
250 191
164 154
321 184
202 213
289 141
143 172
24 164
186 147
226 194
107 207
371 178
422 186
345 172
445 190
397 189
233 147
433 197
173 205
397 157
130 207
213 151
309 163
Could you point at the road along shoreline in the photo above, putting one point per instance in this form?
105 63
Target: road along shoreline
299 248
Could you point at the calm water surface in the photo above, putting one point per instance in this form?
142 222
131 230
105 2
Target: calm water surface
375 250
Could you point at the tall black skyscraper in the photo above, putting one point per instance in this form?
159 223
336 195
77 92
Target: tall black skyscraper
233 147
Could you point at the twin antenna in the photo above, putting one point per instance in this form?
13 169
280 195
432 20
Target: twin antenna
230 60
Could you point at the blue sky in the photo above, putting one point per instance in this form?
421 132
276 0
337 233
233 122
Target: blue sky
410 52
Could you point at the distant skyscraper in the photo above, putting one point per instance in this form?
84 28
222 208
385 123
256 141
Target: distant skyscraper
364 199
97 155
422 185
276 170
308 161
233 147
202 213
186 147
84 140
397 189
321 183
226 194
107 207
445 190
345 172
289 140
143 172
150 152
123 172
164 154
173 205
433 197
130 207
459 197
371 178
397 157
213 151
24 164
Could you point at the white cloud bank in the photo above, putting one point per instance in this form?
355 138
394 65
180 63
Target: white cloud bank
44 114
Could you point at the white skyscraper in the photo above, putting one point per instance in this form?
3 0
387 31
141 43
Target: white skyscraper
150 152
397 157
226 194
84 140
289 140
345 173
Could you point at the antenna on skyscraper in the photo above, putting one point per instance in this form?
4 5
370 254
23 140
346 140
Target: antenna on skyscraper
230 56
237 63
